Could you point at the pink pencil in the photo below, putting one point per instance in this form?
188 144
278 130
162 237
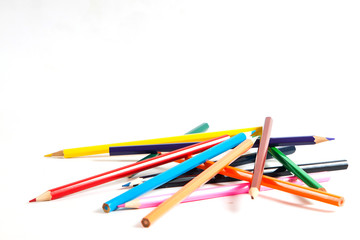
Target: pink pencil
260 159
214 192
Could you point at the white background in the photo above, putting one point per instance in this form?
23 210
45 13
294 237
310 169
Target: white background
81 73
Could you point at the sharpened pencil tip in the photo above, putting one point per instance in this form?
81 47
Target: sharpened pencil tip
126 184
48 155
330 139
33 200
254 192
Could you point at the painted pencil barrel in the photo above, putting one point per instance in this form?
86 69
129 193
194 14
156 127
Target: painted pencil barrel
261 157
289 141
199 129
295 169
150 148
172 173
197 182
141 149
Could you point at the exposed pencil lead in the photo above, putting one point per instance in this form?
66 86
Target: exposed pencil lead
330 139
33 200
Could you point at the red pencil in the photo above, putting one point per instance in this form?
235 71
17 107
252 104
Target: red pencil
127 170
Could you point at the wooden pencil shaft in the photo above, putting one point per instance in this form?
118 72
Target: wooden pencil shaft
197 182
295 169
302 191
261 154
197 137
134 167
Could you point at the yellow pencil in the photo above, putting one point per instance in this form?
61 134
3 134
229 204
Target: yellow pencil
197 137
197 182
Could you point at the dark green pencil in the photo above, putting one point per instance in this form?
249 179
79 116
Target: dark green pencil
199 129
295 169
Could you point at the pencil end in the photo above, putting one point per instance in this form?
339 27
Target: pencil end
254 192
322 189
106 208
33 200
48 155
145 222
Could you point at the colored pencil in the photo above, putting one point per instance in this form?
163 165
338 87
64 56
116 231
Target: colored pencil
198 129
197 182
198 137
260 158
295 169
174 172
274 142
128 169
276 171
298 190
213 192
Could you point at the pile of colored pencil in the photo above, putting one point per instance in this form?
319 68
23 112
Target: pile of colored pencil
193 152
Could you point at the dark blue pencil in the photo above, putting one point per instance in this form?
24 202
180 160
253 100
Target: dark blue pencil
153 148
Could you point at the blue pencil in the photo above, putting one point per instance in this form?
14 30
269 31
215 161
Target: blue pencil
174 172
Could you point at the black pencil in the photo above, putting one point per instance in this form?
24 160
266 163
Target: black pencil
277 171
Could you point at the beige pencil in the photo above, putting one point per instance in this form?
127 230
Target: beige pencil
198 181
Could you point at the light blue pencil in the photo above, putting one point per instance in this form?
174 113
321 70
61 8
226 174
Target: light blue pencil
174 172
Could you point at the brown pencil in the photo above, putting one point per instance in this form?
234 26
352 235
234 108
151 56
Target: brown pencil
260 158
197 182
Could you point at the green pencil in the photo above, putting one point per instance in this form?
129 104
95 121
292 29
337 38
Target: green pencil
295 169
199 129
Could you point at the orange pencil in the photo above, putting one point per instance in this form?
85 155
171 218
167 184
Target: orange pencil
274 183
197 182
260 158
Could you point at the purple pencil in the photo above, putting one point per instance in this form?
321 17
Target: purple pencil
213 192
274 142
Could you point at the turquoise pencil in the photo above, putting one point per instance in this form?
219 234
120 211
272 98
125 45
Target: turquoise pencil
174 172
